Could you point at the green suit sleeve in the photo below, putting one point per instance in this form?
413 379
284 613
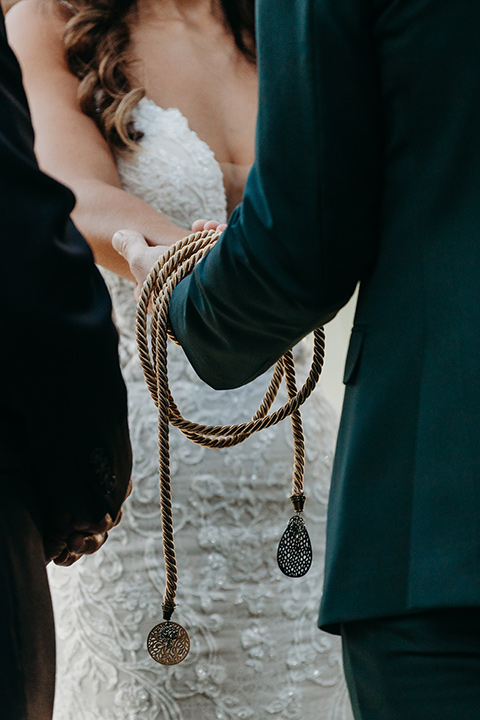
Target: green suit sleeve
305 233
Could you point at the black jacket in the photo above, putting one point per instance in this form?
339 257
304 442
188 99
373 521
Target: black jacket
63 411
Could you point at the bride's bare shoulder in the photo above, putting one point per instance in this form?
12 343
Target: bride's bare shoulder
35 29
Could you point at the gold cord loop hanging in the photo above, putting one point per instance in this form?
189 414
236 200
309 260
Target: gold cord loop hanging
168 642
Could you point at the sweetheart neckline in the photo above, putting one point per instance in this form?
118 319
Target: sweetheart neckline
145 100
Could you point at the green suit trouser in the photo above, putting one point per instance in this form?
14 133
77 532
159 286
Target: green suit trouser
424 666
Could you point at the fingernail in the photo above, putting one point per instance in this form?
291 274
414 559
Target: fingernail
117 241
76 545
82 548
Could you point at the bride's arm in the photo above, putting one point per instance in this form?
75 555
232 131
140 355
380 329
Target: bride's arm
69 145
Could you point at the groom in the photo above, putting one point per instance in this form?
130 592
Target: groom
65 455
368 169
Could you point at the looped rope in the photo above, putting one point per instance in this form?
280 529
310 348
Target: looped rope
172 267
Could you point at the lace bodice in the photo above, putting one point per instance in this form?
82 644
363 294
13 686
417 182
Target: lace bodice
174 171
256 652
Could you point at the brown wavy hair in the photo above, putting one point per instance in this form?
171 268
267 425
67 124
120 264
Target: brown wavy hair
96 47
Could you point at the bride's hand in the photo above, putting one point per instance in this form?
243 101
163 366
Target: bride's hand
200 225
141 256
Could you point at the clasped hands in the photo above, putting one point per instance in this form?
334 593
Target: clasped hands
66 538
141 256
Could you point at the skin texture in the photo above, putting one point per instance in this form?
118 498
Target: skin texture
185 58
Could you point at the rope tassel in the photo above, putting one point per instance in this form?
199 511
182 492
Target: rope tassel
168 643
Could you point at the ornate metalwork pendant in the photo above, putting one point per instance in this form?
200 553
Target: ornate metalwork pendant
168 643
294 554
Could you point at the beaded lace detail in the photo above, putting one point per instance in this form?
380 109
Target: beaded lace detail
256 652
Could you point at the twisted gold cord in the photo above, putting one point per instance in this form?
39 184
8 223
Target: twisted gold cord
157 290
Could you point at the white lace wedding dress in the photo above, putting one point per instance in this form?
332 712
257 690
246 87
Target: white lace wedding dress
256 652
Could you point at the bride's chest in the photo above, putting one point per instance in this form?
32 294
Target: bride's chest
208 80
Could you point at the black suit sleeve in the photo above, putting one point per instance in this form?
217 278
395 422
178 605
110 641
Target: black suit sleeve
60 378
305 233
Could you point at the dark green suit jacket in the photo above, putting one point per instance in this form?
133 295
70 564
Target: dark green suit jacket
367 169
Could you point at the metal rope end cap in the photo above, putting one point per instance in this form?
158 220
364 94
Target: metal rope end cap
168 609
298 502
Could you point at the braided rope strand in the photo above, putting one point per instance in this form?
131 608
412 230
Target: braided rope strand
297 427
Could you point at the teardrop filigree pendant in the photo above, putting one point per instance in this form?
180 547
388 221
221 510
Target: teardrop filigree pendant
168 643
294 554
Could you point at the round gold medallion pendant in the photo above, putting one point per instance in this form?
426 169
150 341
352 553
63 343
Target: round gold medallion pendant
168 643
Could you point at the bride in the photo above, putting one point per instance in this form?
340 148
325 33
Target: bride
146 109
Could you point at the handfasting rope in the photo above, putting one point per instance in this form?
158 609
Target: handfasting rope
168 643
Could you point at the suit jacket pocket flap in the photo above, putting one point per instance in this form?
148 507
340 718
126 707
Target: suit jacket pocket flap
353 355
